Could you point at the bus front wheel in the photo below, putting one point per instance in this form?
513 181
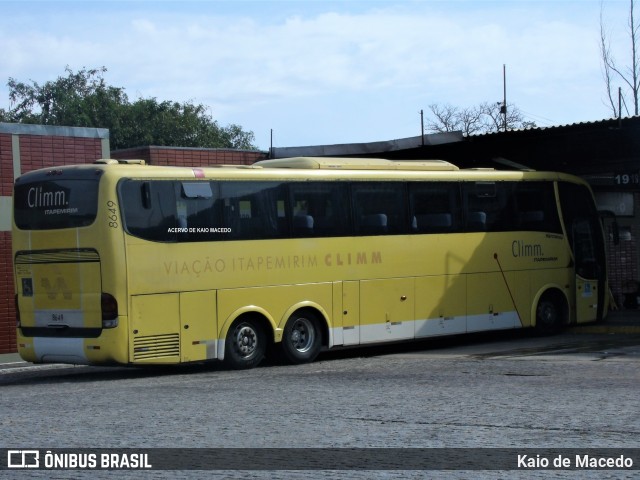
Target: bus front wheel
549 314
246 344
302 339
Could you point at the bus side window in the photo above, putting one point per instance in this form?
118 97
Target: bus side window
435 207
198 211
379 208
252 210
477 221
318 209
489 206
149 209
511 206
536 208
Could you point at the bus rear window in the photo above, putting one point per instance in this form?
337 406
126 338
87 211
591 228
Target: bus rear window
55 204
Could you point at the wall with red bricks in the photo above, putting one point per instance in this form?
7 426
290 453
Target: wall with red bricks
7 295
190 157
623 269
35 151
7 307
622 260
6 165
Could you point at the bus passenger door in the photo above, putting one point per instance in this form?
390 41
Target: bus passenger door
155 328
386 310
584 232
589 284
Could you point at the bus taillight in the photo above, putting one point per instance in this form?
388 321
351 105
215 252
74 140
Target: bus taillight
109 307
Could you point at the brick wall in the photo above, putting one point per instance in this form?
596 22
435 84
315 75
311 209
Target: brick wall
37 147
7 307
622 259
38 151
190 157
6 165
7 294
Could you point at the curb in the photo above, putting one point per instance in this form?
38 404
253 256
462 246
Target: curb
604 329
10 358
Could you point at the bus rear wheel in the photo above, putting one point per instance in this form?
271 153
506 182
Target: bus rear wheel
246 344
302 339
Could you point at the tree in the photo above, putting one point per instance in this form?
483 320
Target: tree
628 74
483 118
150 122
84 99
79 99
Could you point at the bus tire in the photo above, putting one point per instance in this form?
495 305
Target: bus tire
550 314
246 344
302 338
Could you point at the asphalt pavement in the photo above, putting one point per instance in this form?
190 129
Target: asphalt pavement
617 321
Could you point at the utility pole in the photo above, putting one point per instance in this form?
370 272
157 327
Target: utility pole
503 110
271 145
422 125
619 107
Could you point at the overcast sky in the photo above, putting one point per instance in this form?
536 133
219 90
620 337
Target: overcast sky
321 72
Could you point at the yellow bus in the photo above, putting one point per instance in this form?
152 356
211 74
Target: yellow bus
127 263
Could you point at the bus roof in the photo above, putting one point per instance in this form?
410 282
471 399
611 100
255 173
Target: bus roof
356 164
298 168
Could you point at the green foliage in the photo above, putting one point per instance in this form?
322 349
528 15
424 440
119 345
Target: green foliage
83 99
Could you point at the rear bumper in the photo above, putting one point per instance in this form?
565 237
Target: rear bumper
107 349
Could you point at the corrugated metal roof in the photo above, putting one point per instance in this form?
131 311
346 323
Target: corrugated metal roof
367 148
612 122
